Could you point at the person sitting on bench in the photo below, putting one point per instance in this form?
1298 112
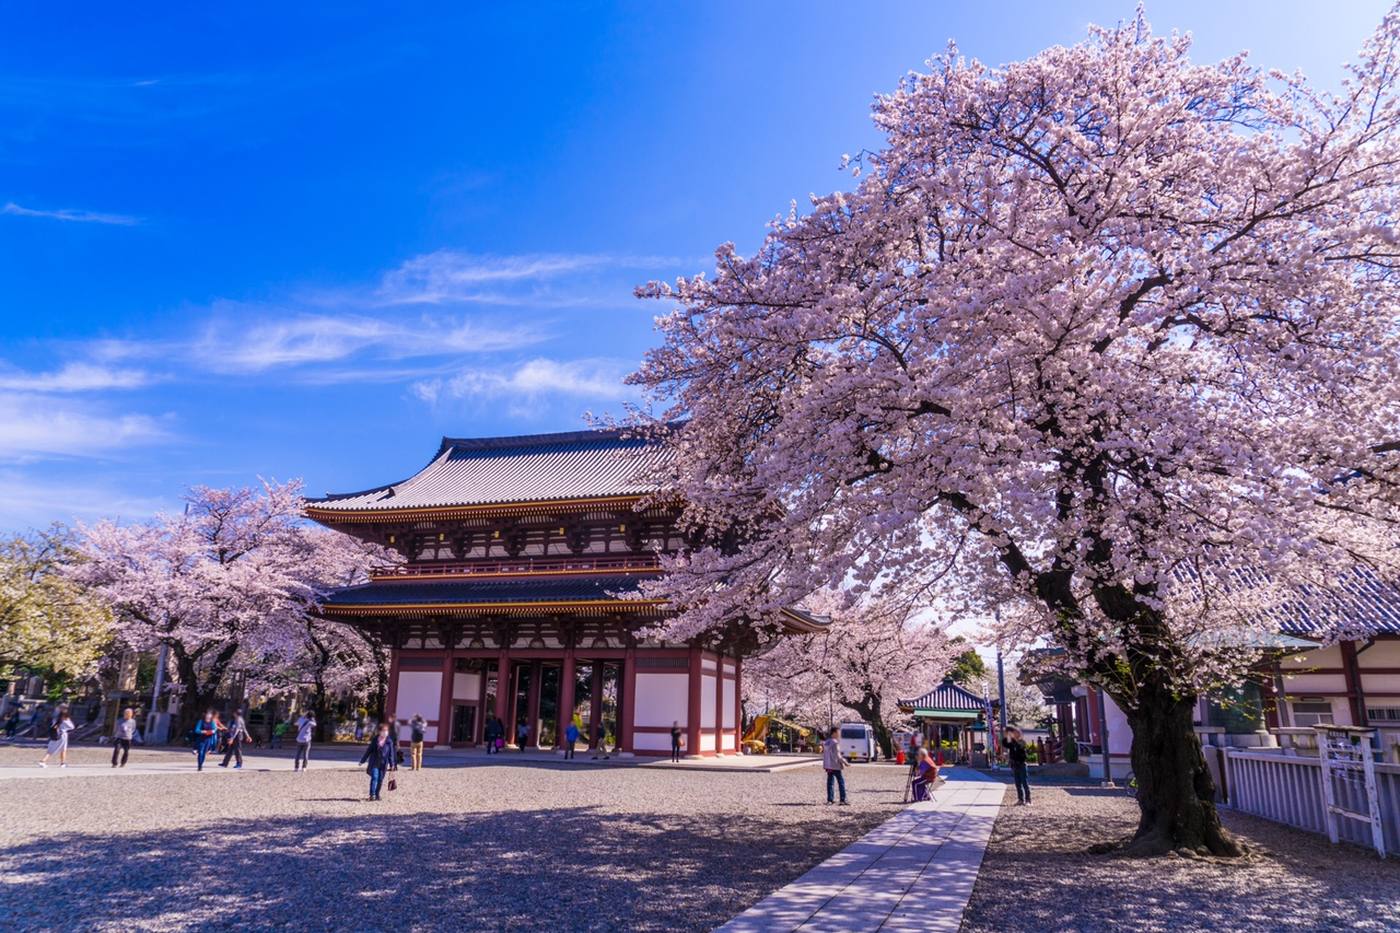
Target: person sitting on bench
925 776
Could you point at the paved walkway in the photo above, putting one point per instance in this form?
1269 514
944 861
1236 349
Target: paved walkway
915 872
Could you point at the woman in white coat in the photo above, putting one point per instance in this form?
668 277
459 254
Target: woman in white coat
59 727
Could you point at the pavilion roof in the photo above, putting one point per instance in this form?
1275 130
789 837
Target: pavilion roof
531 468
947 698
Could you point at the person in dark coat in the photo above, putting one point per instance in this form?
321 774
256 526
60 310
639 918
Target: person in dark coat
492 733
1016 757
380 757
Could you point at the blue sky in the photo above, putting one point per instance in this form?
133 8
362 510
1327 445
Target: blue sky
240 242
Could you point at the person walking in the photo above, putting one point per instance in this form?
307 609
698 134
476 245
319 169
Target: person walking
522 736
237 735
418 729
1016 756
676 736
306 728
835 766
571 736
59 726
123 735
206 737
601 750
380 757
491 734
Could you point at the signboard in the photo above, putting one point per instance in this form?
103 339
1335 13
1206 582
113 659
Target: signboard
1349 771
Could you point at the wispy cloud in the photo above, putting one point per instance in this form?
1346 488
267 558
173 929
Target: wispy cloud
29 501
319 339
70 216
34 425
451 276
74 377
594 378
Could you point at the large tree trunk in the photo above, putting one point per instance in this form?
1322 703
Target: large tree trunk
321 708
1176 794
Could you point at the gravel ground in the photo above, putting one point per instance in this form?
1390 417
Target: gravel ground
528 845
1037 876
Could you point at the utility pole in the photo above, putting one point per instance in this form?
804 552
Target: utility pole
1001 689
1103 737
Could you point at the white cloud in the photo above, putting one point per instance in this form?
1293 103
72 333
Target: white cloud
71 216
451 276
27 501
594 378
74 377
316 339
38 425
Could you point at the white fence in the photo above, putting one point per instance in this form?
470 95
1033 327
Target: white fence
1288 789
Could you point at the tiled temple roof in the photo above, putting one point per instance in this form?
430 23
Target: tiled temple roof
946 696
531 468
1358 604
604 588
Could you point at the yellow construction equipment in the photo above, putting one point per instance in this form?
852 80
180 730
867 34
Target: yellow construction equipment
756 739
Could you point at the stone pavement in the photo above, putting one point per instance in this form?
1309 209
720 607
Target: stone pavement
913 872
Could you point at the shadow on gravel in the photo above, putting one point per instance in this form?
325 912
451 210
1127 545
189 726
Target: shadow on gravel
557 869
1037 877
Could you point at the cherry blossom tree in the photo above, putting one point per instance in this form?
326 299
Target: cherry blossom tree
1104 339
873 654
309 653
230 585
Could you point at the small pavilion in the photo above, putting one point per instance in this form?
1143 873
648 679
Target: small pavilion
948 711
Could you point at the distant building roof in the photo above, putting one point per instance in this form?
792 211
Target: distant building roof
530 468
949 700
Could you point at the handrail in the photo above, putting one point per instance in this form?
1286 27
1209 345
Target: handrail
527 565
1277 754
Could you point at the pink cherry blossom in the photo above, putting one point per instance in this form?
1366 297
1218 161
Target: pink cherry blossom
1104 339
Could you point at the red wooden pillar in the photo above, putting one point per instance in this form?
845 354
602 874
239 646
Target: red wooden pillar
532 704
512 704
391 701
567 674
738 705
692 710
719 702
503 688
595 702
625 729
444 729
479 729
1351 672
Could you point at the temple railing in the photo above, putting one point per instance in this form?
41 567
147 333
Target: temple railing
530 565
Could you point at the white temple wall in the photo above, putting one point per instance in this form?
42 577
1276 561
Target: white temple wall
420 692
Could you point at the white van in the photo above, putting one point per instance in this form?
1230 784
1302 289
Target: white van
856 740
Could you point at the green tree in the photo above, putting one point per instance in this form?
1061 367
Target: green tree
968 667
48 622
